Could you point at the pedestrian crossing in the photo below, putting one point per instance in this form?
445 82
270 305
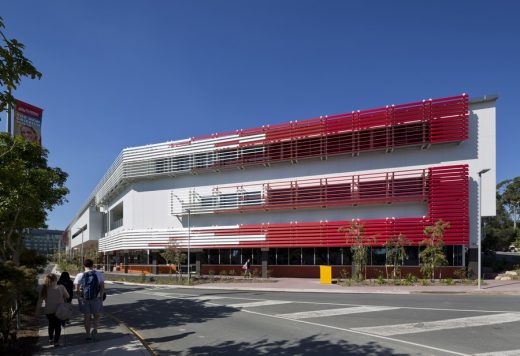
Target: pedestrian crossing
414 328
334 312
448 319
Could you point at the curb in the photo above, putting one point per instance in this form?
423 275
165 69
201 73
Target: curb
133 332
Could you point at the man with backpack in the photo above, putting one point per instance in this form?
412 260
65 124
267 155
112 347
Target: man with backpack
90 286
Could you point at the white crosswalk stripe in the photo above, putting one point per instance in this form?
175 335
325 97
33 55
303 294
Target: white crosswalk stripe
207 297
500 353
334 312
414 328
258 304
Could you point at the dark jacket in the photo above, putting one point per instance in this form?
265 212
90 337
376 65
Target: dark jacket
67 283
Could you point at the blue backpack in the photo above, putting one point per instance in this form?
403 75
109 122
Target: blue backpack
90 285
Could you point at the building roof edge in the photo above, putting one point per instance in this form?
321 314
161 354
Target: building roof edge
483 99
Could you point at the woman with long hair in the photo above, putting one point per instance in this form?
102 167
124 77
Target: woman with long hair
53 295
65 281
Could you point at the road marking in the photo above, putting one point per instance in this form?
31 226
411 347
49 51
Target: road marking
501 353
334 312
207 297
359 333
414 328
258 304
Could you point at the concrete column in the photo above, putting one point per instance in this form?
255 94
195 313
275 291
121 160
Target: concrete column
154 262
265 259
473 262
198 257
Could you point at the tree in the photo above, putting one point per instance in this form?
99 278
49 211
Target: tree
29 188
433 256
17 284
359 243
13 67
173 254
510 197
501 230
395 254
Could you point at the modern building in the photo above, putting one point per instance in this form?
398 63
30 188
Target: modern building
45 242
283 195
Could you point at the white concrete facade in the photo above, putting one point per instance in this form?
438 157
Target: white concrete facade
148 202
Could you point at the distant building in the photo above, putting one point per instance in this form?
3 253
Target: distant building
46 242
279 194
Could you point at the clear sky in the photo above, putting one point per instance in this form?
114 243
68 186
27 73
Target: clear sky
127 73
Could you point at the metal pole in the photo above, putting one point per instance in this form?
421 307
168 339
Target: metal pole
480 224
189 243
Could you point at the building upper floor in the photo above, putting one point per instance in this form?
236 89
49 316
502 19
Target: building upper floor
276 165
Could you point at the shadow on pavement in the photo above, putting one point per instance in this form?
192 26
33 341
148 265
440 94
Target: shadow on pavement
156 313
308 346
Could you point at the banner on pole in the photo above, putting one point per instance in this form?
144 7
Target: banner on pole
28 122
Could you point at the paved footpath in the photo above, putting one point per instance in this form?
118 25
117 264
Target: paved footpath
113 339
116 339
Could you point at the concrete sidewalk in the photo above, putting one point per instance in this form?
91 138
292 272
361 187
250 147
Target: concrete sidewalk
113 339
313 285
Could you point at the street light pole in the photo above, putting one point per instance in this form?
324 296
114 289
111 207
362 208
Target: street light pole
480 223
189 243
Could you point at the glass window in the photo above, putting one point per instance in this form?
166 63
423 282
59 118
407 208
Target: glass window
347 255
457 255
247 253
378 256
335 256
204 257
282 256
321 256
412 252
453 255
272 256
213 257
257 256
235 257
224 257
307 256
295 256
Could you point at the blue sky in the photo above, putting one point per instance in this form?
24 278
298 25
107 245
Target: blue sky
126 73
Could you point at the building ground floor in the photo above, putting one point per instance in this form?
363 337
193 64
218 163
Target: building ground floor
282 262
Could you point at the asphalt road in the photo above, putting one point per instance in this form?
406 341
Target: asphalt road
178 321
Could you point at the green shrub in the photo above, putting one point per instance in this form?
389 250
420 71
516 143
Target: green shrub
380 279
449 282
425 282
344 273
411 279
461 274
254 273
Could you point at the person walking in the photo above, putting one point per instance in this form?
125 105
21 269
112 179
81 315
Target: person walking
90 286
65 281
247 268
53 295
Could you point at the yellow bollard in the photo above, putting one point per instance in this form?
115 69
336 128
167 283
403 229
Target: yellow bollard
325 274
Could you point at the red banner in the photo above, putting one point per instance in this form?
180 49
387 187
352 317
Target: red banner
28 122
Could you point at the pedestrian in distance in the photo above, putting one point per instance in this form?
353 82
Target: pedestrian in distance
53 295
247 268
65 281
90 287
